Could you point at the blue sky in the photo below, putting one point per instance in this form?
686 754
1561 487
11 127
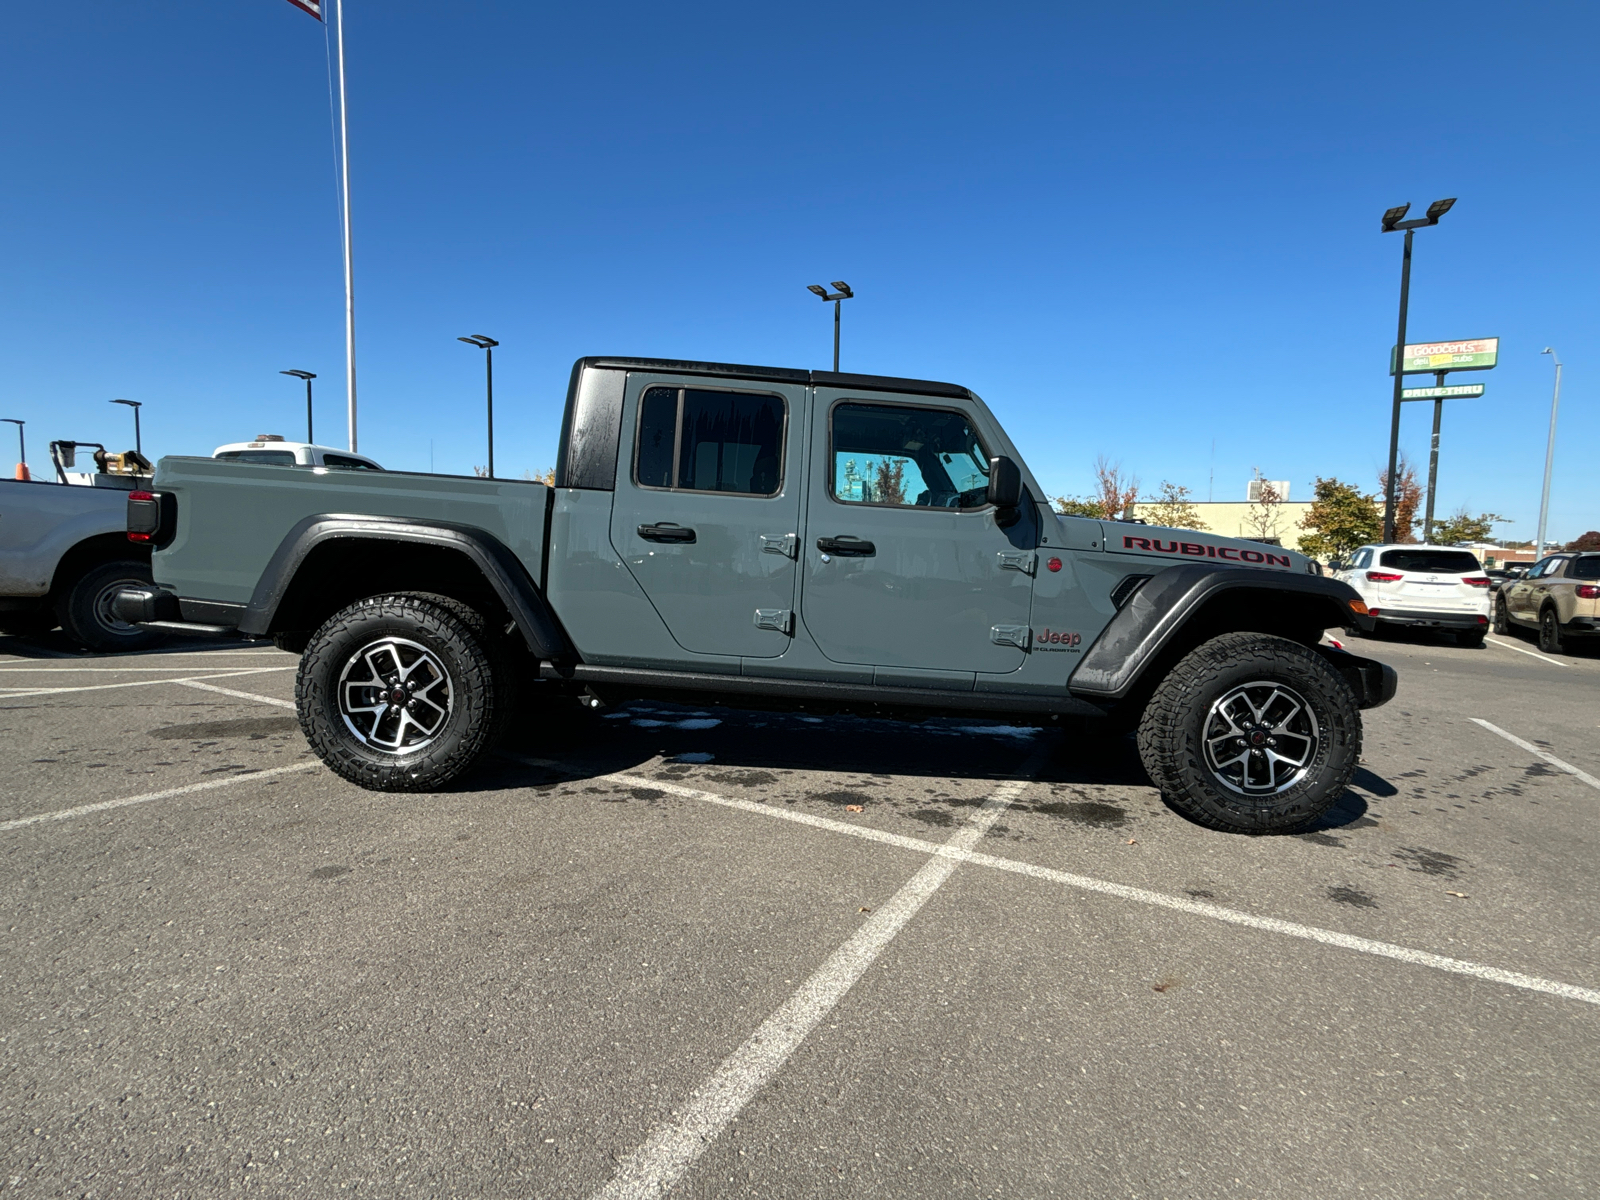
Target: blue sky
1135 230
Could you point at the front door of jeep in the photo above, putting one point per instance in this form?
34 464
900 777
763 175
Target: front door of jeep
904 564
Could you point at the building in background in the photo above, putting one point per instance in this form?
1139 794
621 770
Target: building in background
1275 521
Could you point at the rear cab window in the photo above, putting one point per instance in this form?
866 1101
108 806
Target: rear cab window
704 440
343 462
1437 562
1586 567
901 456
266 458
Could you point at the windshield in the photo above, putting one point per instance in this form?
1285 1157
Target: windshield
1441 562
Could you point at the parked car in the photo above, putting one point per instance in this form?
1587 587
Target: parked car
270 449
1559 596
1500 576
65 554
765 537
1422 587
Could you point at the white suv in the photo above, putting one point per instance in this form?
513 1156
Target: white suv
1432 587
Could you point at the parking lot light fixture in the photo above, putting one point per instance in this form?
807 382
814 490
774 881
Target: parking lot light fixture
308 376
487 345
1549 454
136 405
1394 219
844 293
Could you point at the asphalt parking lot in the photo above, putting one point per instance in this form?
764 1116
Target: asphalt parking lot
713 953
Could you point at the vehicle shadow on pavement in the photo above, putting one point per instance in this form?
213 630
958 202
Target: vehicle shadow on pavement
56 644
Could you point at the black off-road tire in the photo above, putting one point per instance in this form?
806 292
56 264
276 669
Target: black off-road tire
1550 639
84 609
1502 617
476 712
1172 734
1471 639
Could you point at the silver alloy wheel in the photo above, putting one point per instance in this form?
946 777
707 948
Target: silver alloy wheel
1260 738
395 695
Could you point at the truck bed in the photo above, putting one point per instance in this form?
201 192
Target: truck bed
226 535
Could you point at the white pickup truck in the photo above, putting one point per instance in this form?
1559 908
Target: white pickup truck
64 553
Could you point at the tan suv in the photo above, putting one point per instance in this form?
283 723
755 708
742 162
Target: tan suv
1560 597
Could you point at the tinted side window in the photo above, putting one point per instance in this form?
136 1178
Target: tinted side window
1362 559
706 441
914 457
342 462
1587 567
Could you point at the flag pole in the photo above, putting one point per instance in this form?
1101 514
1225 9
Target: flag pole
349 269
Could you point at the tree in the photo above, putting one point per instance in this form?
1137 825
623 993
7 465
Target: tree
1407 497
1071 506
889 481
1589 541
1263 522
1117 490
1341 518
1462 526
1173 509
546 476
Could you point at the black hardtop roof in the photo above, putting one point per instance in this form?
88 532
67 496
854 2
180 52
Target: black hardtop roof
837 379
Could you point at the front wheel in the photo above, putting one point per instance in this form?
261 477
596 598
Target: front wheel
398 694
1550 640
1251 734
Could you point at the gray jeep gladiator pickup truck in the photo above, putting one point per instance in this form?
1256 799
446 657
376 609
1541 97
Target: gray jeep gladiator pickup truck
762 537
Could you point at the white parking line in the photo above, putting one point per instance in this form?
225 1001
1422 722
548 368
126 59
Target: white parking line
211 687
1524 650
84 810
100 687
672 1148
1329 937
1544 754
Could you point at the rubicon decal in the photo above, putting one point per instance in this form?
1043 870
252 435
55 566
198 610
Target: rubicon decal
1206 550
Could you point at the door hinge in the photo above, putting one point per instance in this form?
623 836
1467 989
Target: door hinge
1018 560
788 545
1009 635
777 619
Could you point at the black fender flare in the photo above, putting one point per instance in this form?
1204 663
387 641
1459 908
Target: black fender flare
505 573
1158 611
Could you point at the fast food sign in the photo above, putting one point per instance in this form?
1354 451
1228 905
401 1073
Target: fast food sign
1474 354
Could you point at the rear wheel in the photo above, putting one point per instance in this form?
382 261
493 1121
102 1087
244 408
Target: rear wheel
398 694
1502 618
1251 734
85 613
1550 639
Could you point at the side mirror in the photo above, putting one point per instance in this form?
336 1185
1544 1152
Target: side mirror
1336 564
1005 483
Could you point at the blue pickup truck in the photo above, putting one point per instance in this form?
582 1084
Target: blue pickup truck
763 537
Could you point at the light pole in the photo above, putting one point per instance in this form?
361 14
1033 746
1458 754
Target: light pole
138 444
487 345
1393 220
308 376
22 447
1549 454
844 293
